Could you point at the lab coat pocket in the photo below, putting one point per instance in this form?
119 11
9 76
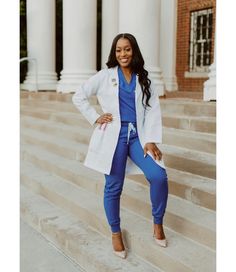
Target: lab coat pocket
159 162
97 139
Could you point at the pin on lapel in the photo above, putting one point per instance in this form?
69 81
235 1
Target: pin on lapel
113 80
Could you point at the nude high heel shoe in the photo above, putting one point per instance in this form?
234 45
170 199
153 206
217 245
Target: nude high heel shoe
120 250
160 242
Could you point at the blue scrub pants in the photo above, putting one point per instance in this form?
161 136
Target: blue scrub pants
129 145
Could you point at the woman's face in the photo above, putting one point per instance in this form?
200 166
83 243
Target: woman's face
124 52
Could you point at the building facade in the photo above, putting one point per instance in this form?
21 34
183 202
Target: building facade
195 43
176 39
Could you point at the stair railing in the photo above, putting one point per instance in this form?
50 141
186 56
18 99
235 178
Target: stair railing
34 60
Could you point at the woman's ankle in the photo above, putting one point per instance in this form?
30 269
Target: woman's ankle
159 231
117 241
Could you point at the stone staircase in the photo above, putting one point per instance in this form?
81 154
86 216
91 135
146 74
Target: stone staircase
63 200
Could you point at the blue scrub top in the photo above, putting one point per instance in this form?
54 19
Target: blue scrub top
127 97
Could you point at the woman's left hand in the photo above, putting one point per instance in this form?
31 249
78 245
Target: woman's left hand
153 149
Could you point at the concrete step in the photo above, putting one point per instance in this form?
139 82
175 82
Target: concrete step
45 96
197 141
138 231
75 238
188 107
195 162
50 97
51 104
168 106
184 95
198 124
200 227
191 161
67 118
39 254
192 123
65 148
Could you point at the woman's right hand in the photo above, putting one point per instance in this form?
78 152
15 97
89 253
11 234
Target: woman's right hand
104 118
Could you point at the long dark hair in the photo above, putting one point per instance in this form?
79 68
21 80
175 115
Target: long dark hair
136 65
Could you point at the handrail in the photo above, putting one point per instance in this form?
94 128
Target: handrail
36 69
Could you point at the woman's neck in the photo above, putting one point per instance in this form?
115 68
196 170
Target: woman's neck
127 73
126 70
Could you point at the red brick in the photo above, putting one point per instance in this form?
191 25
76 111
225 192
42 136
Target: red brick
182 50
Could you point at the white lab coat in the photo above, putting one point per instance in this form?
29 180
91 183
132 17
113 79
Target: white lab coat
105 85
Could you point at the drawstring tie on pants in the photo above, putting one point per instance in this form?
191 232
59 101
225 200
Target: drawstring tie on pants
131 128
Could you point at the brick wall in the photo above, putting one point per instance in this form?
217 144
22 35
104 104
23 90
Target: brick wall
183 37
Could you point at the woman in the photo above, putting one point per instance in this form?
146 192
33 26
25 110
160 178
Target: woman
126 136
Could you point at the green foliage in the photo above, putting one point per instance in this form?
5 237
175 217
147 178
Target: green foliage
59 37
22 7
23 39
99 33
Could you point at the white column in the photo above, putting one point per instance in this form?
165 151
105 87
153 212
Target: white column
168 43
142 19
110 28
79 43
41 44
209 91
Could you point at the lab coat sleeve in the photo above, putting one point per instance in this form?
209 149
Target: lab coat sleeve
153 121
84 91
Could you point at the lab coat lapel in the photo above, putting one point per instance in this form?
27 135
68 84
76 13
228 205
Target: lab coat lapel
114 80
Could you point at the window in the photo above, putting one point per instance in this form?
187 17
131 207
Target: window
201 40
